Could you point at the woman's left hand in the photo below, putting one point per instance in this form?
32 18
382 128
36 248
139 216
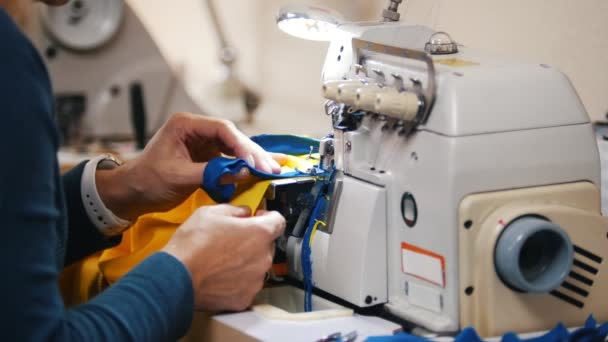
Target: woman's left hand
171 166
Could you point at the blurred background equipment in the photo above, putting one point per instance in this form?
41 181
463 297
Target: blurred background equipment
231 86
110 80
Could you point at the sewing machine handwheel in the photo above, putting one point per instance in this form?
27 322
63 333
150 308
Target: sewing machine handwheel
533 255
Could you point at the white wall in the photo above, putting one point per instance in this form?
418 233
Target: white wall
570 34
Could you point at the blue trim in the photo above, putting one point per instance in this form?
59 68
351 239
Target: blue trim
591 332
218 167
288 144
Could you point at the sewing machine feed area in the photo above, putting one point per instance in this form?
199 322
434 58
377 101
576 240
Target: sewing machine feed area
464 188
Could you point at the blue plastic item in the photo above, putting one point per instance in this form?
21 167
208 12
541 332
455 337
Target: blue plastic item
218 167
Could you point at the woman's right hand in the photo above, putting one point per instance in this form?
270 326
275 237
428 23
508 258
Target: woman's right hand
227 252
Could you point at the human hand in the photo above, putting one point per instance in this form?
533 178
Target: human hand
171 166
227 253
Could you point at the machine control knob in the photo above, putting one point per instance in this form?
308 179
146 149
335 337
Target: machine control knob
365 99
399 105
330 90
347 92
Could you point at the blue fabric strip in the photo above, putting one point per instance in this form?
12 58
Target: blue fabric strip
288 144
218 167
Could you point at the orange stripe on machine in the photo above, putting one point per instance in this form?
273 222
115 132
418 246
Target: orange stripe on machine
423 264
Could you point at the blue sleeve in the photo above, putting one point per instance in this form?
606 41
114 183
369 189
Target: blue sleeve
83 237
154 302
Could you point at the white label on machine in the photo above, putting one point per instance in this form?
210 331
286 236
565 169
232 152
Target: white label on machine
424 296
423 264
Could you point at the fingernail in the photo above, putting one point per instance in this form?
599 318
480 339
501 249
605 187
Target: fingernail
267 167
275 165
245 209
250 161
243 171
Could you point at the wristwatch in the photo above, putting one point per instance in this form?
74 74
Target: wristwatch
103 218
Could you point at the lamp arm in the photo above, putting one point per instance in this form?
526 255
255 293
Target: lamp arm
227 52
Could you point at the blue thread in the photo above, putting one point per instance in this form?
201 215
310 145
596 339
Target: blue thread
306 247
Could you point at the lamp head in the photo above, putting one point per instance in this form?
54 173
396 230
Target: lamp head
307 22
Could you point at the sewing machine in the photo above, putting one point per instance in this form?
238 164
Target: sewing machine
466 189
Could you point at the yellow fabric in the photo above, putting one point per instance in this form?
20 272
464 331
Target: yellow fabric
85 279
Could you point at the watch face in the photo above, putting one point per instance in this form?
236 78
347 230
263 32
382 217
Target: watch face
109 163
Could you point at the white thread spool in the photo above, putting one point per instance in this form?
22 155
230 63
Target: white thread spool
366 97
399 105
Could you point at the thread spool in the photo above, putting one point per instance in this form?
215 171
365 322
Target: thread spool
399 105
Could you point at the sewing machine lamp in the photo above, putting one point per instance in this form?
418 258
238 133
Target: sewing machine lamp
83 25
307 22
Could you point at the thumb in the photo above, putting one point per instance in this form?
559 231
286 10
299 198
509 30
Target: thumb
272 221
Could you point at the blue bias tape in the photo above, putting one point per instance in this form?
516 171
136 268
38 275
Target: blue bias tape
287 144
217 167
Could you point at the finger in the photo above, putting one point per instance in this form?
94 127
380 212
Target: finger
276 168
261 212
208 128
262 160
279 158
242 176
191 173
271 221
205 128
230 210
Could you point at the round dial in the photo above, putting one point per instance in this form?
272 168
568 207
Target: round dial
83 24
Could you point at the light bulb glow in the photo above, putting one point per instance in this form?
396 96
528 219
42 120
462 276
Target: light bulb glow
310 23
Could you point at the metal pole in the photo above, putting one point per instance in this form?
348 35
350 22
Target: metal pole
392 12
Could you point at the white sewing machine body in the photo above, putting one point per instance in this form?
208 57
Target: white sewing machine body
414 218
